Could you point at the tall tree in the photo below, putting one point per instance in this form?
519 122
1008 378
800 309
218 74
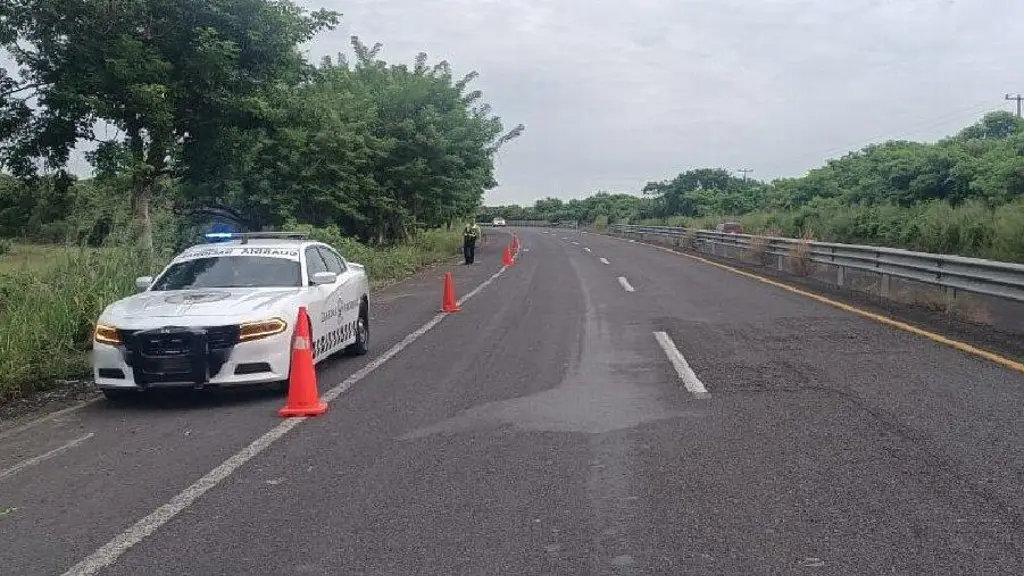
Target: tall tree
379 149
169 75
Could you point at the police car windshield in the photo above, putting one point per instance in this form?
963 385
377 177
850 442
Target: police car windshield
231 272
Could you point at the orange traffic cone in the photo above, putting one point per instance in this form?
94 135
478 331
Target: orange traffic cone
448 302
303 398
506 257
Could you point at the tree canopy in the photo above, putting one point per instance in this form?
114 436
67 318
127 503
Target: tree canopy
381 149
211 101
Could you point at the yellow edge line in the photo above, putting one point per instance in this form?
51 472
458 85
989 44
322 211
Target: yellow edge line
962 346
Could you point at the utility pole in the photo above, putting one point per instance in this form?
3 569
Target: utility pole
1018 98
744 171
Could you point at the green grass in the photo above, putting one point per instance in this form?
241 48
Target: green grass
50 297
970 229
21 257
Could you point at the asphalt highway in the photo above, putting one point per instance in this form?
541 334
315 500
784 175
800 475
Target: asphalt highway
599 407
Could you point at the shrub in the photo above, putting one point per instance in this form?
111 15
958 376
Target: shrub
385 264
800 257
47 313
970 229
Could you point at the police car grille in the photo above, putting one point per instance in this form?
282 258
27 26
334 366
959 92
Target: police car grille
176 343
222 337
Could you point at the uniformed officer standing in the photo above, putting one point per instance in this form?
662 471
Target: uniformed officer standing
469 235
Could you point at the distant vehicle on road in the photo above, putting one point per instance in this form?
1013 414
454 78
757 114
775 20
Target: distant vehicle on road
223 313
499 221
730 228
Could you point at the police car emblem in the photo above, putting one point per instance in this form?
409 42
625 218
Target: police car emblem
200 298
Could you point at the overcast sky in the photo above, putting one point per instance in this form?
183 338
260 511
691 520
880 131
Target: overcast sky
614 94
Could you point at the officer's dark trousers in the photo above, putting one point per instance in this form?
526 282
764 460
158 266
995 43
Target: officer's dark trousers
469 249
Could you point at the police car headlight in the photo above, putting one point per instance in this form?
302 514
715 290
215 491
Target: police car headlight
107 335
261 329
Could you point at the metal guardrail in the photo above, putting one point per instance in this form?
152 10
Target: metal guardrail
989 277
535 224
521 223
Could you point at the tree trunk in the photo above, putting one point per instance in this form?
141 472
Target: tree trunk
150 161
142 193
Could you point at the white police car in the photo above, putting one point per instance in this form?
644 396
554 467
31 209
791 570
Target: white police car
224 313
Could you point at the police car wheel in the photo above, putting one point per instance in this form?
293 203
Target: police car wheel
362 344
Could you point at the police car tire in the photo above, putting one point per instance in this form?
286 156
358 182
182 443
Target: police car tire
362 345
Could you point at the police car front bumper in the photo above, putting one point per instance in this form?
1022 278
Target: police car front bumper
174 357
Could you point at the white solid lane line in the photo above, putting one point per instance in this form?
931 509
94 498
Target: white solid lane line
626 285
604 261
686 374
111 551
43 457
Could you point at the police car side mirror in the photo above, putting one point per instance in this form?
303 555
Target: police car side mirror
142 283
321 278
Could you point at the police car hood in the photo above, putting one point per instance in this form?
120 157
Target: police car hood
242 302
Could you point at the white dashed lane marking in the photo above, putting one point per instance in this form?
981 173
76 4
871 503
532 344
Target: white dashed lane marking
686 374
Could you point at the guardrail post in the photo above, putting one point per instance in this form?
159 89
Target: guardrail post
950 299
840 275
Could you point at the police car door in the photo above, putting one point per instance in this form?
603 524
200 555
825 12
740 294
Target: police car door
318 302
346 300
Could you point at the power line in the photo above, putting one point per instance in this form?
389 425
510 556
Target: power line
913 129
1018 98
